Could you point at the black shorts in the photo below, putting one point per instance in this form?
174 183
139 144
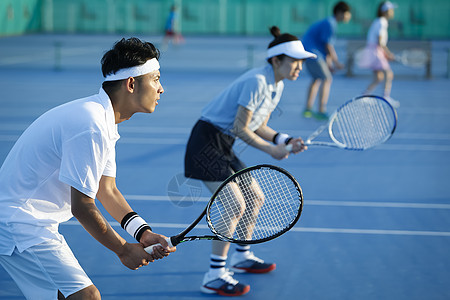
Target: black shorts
209 154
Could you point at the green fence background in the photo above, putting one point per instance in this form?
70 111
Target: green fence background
414 19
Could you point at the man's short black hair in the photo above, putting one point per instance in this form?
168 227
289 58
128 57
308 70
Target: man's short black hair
126 53
341 6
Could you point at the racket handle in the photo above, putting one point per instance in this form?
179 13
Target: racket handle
149 249
290 146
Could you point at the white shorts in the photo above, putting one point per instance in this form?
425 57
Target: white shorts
40 271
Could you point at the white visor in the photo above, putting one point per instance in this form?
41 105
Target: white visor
387 6
292 49
150 66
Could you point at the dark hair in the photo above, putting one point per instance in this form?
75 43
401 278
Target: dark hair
379 12
126 53
341 6
279 38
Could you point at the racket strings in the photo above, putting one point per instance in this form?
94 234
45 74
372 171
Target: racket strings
363 123
256 205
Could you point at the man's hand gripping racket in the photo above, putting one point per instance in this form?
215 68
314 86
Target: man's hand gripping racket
359 124
254 205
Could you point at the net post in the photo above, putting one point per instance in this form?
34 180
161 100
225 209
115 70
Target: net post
57 50
428 65
448 62
250 55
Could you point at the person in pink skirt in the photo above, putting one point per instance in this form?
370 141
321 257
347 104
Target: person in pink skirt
376 55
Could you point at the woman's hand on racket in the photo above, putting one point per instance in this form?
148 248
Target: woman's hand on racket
298 145
279 152
150 238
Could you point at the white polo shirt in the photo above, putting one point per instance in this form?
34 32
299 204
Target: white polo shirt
378 29
255 90
70 145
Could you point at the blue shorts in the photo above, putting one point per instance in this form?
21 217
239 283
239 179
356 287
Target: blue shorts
318 68
42 270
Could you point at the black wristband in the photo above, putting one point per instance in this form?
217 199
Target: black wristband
275 138
127 218
141 231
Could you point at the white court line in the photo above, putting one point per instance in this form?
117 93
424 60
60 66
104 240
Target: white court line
419 110
8 138
301 229
413 147
154 141
389 146
384 147
183 141
185 130
152 129
307 202
371 231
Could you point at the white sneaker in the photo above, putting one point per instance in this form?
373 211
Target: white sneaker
224 284
248 263
393 102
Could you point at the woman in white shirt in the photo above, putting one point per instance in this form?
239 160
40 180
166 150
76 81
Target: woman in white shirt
377 55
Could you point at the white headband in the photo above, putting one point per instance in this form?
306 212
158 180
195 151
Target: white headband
150 66
292 49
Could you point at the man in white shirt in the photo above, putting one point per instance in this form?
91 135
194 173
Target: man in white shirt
57 168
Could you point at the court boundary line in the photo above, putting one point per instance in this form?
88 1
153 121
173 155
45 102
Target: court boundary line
307 202
302 229
12 126
183 141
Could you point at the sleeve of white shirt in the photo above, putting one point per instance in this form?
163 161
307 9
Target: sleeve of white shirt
383 31
374 32
110 168
251 94
83 162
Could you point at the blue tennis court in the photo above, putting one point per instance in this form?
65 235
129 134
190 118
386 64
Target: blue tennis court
375 225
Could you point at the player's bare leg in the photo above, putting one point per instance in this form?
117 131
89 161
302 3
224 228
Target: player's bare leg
324 94
389 75
218 280
312 93
378 77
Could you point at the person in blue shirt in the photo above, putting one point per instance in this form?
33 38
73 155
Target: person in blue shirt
171 30
319 39
242 111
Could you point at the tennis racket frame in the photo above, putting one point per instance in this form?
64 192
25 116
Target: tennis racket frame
337 144
181 237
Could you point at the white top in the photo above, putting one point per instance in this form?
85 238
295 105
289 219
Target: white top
379 28
255 90
70 145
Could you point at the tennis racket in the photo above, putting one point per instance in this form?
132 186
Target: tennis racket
412 58
359 124
254 205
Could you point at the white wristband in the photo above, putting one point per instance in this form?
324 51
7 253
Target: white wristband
134 225
281 138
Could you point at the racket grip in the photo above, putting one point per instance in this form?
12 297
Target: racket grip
290 146
149 249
